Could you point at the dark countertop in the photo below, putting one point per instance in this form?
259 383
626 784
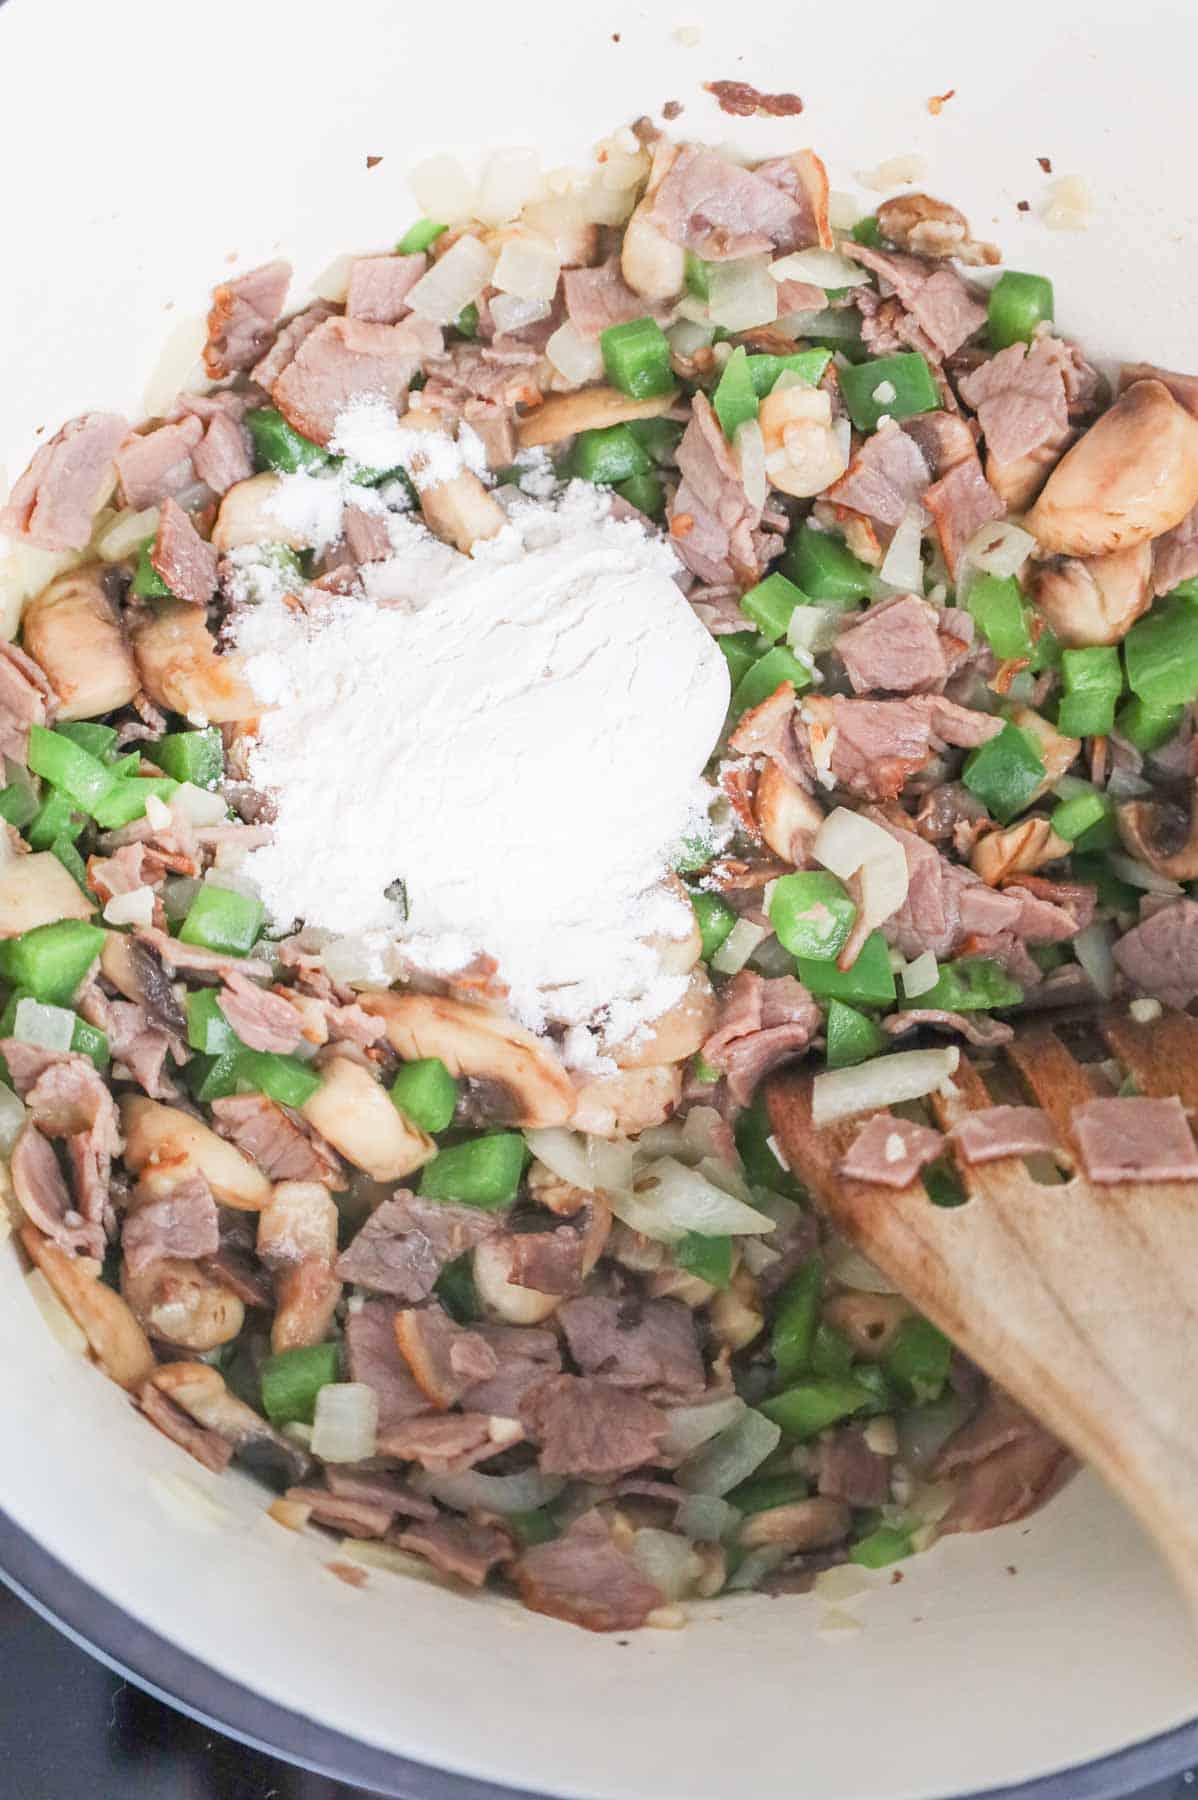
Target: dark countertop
72 1730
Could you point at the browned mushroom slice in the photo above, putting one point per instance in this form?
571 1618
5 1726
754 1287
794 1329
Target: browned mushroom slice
202 1394
71 630
528 1086
181 671
587 409
1094 600
117 1341
1159 834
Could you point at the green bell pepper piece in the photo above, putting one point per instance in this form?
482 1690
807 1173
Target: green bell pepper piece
795 1319
636 358
741 650
485 1171
971 984
709 1258
810 1407
51 962
1005 772
776 666
997 606
851 1036
221 919
895 387
770 605
426 1093
609 455
716 919
1093 682
195 756
277 445
918 1360
419 236
292 1379
881 1547
823 567
812 914
1018 303
870 981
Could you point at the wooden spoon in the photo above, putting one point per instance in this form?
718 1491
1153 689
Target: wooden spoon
1080 1300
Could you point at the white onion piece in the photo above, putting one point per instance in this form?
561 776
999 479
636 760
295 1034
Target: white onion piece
510 180
884 1081
704 1133
579 359
883 882
510 313
127 533
822 268
844 210
604 205
731 1457
688 335
364 960
588 1163
920 976
814 629
1093 948
846 841
830 323
491 1493
671 1200
666 1559
133 908
999 549
454 282
199 805
689 1427
443 190
528 266
742 294
852 1270
1138 875
51 1027
738 947
179 368
345 1425
12 1117
750 456
896 171
25 571
706 1519
902 566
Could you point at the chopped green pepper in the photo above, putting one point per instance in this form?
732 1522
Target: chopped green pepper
735 398
454 1288
823 566
870 981
812 914
1161 653
895 387
767 673
427 1093
88 1040
710 1258
609 455
66 765
761 1493
72 862
54 818
716 919
282 1078
741 650
795 1320
636 358
831 1351
1018 303
1092 681
292 1379
195 756
770 605
867 231
278 445
419 236
98 740
208 1030
221 919
147 583
970 984
660 437
52 961
809 1408
1005 772
126 799
1074 819
884 1546
698 280
851 1036
212 1077
997 605
484 1172
18 804
466 323
808 365
533 1527
1145 726
918 1360
762 1168
646 492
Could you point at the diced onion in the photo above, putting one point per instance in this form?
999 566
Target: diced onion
443 190
848 844
1093 949
742 294
54 1314
12 1118
1139 875
452 283
750 457
133 908
671 1200
706 1519
345 1425
731 1457
738 947
200 806
50 1027
822 268
921 975
884 1081
528 267
1145 1010
179 367
510 180
902 566
689 1427
604 205
579 359
844 210
589 1163
852 1270
896 171
688 335
814 629
364 960
511 313
1068 205
667 1559
127 533
24 571
490 1493
1000 549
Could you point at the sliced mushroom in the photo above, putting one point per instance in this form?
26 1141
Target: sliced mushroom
624 1105
1059 752
651 263
73 633
164 1146
787 816
674 1036
117 1341
587 409
1017 850
37 890
802 1525
354 1112
502 1299
678 955
176 1301
306 1294
1094 600
201 1392
298 1221
247 516
1132 476
554 1194
930 227
737 1314
461 512
483 1045
1158 834
803 453
556 218
871 1322
181 671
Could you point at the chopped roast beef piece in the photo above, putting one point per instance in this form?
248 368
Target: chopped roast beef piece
184 560
379 286
975 1028
447 1443
886 478
713 521
288 341
406 1242
761 1024
871 747
26 699
459 1547
589 1428
995 1131
344 358
241 323
1019 397
182 1223
552 1261
283 1144
895 647
373 1357
961 502
1159 956
263 1020
135 1039
356 1517
55 501
367 535
44 1198
585 1578
206 1446
353 1481
524 1356
222 458
849 1470
938 300
446 1360
721 211
1135 1139
1005 1466
645 1344
598 298
890 1151
156 465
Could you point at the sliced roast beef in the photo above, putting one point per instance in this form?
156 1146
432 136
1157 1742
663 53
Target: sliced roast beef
44 1197
975 1028
446 1359
938 300
712 520
184 560
288 341
345 358
373 1357
1159 956
761 1025
1004 1463
590 1428
379 286
26 699
55 501
377 1487
895 647
1051 911
890 1151
961 502
598 298
1135 1139
447 1443
350 1513
996 1131
242 320
645 1344
263 1020
886 478
459 1547
849 1470
406 1242
67 1098
871 747
584 1578
720 210
804 178
524 1356
136 1040
367 535
550 1261
1019 397
222 458
156 465
283 1145
207 1448
182 1223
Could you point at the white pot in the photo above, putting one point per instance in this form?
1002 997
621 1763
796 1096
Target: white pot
149 150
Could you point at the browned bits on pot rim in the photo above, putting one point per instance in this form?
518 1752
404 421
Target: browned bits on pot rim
742 100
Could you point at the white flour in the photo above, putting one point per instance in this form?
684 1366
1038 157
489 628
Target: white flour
517 736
